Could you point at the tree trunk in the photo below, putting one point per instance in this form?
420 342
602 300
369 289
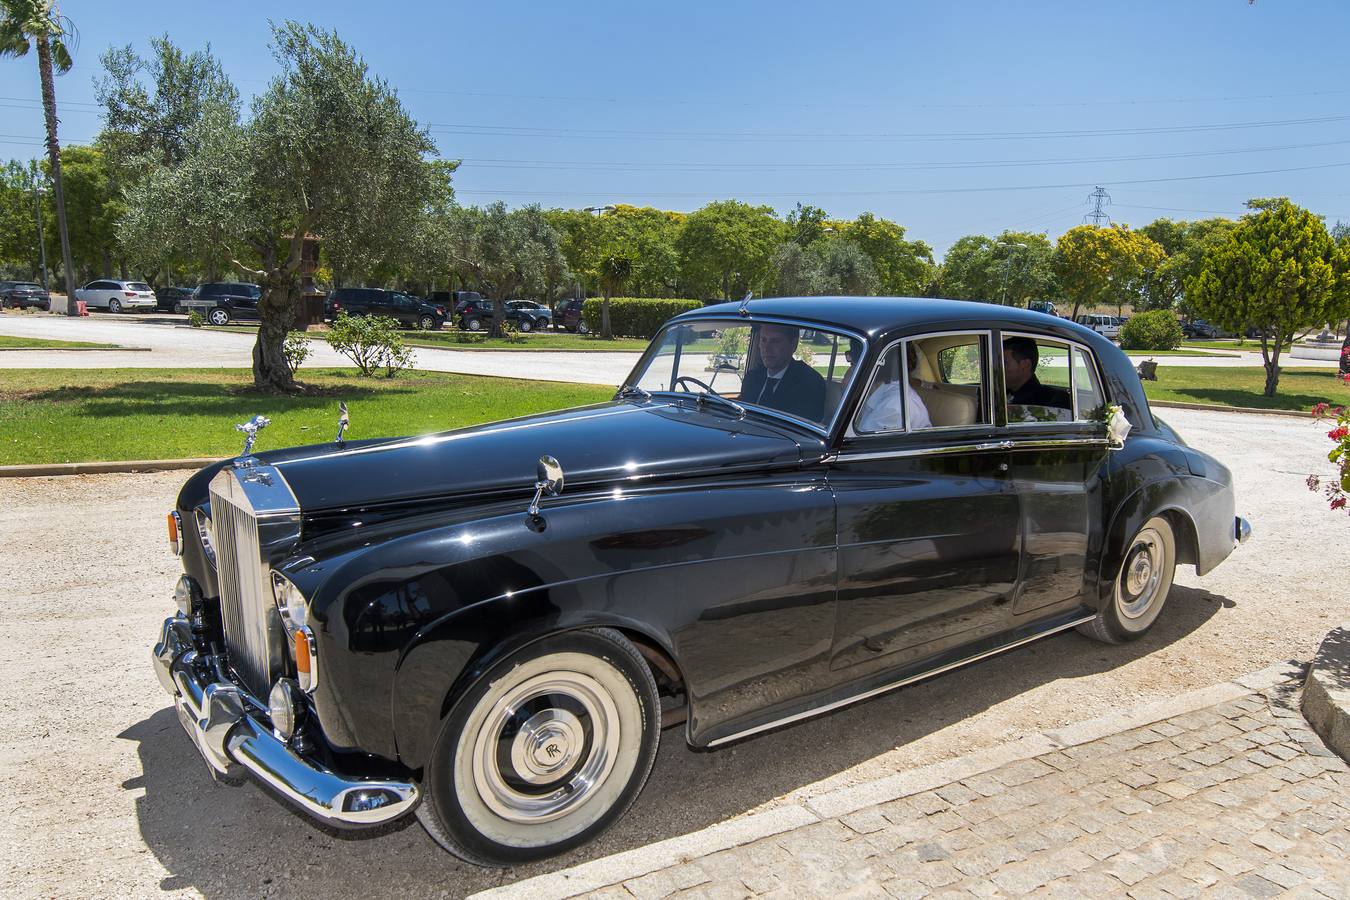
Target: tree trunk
276 310
107 263
44 52
122 269
498 317
1271 360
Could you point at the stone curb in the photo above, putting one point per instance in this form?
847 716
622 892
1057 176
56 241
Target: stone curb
621 867
1326 693
103 468
1215 407
75 349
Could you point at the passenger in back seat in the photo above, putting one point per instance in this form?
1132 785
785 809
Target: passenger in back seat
1020 356
881 409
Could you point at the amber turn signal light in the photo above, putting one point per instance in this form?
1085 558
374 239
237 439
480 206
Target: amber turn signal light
175 533
302 653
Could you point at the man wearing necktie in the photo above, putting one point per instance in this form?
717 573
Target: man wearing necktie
781 382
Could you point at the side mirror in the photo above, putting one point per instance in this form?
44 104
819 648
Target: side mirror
549 480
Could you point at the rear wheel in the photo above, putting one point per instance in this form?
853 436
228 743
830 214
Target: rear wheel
114 305
473 324
582 328
218 316
544 752
1141 586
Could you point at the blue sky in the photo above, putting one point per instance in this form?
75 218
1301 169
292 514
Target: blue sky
950 118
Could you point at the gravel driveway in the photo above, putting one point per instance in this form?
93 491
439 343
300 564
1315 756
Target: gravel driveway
105 796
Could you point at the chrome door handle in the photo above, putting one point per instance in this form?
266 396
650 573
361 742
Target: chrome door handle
995 445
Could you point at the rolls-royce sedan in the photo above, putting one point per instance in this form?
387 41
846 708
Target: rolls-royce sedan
788 506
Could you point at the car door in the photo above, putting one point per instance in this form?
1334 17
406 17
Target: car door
243 299
929 544
97 293
1057 451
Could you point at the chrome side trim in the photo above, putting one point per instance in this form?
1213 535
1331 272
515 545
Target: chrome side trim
829 707
1058 442
983 447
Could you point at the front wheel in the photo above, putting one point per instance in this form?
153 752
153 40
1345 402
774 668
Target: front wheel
427 323
1141 586
583 328
526 325
544 752
218 316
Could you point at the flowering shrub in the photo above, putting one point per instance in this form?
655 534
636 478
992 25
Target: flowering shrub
1337 489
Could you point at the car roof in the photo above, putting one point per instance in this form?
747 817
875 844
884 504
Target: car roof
875 315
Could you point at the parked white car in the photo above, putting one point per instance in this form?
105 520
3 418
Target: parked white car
1106 326
116 296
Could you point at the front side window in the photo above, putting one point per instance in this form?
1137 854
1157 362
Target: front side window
792 370
1049 381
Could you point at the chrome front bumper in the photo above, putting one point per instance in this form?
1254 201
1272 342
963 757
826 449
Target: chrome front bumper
231 730
1242 530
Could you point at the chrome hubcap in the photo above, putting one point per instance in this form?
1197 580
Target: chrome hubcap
1141 575
547 746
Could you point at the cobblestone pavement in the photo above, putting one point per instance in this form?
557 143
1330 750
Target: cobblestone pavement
1236 800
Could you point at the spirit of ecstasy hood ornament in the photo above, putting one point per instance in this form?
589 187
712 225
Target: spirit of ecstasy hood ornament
250 430
343 421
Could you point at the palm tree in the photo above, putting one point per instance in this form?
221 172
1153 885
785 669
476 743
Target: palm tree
39 24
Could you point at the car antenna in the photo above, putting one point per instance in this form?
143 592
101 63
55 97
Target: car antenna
745 305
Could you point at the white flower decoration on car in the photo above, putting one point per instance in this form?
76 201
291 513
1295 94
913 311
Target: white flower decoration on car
1117 426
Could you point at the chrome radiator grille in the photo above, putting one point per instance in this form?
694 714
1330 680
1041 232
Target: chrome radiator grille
244 535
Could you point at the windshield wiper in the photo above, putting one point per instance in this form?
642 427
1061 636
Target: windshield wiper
710 396
632 390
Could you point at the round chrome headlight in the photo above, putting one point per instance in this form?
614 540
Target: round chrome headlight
204 533
290 603
283 707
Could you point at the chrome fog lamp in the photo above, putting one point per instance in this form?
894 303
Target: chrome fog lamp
283 706
187 595
290 603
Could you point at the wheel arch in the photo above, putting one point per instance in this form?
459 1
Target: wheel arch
441 665
1165 497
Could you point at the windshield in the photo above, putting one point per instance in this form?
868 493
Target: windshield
794 370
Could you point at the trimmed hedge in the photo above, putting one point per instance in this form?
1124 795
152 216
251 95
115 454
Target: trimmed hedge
1156 330
638 317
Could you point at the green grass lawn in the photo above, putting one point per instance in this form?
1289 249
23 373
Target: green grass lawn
23 343
1184 351
79 415
446 339
1252 345
1299 389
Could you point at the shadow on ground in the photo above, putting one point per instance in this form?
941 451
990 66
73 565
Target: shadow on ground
228 841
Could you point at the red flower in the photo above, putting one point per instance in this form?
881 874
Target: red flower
1347 377
1338 434
1319 410
1338 503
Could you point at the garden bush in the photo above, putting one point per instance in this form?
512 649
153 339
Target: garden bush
638 317
296 350
1156 330
371 342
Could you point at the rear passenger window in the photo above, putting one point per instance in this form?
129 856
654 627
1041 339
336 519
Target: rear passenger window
1049 381
945 381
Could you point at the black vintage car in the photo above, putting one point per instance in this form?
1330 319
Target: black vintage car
789 506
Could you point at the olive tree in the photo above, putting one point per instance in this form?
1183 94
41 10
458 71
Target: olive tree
1277 271
502 250
327 150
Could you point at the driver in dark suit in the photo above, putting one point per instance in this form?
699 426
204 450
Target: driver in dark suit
782 382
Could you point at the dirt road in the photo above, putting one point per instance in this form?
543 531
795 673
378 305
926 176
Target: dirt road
105 796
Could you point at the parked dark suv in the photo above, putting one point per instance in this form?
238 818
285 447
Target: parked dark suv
571 317
23 294
407 309
171 299
223 302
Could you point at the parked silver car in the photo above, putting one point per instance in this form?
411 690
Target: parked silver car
117 296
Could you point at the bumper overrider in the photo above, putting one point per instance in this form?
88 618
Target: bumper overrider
231 730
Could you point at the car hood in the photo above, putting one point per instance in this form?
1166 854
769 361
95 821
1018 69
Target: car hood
616 442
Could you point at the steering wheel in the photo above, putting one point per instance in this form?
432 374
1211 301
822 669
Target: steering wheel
680 383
